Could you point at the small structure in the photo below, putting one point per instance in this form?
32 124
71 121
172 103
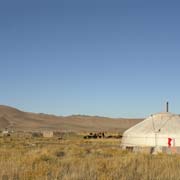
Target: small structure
48 134
5 133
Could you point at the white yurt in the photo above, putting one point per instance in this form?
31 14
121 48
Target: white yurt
159 132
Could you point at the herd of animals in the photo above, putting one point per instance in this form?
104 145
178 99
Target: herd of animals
101 135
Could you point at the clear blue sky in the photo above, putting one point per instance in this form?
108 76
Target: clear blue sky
116 58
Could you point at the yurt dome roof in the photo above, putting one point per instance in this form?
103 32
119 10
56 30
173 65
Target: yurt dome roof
154 131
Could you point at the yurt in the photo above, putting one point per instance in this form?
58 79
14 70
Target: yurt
158 133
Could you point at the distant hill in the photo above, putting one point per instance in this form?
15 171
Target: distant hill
19 120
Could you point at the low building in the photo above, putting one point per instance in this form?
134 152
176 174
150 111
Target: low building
5 133
48 134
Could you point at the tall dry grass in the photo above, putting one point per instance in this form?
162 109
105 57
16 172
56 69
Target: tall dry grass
78 159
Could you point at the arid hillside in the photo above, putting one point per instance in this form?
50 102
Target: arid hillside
19 120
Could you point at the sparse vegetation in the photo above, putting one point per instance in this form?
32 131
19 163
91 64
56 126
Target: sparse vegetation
79 159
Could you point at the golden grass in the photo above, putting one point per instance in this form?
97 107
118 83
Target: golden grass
78 159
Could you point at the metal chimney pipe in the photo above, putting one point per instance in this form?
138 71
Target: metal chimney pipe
167 106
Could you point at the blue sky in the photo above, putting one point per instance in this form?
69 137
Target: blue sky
115 58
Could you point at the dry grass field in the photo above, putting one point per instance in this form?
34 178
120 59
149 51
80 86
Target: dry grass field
74 158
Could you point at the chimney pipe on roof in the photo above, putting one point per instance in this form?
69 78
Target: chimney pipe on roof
167 106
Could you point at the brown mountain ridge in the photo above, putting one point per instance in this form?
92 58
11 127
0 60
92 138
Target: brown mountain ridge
18 120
